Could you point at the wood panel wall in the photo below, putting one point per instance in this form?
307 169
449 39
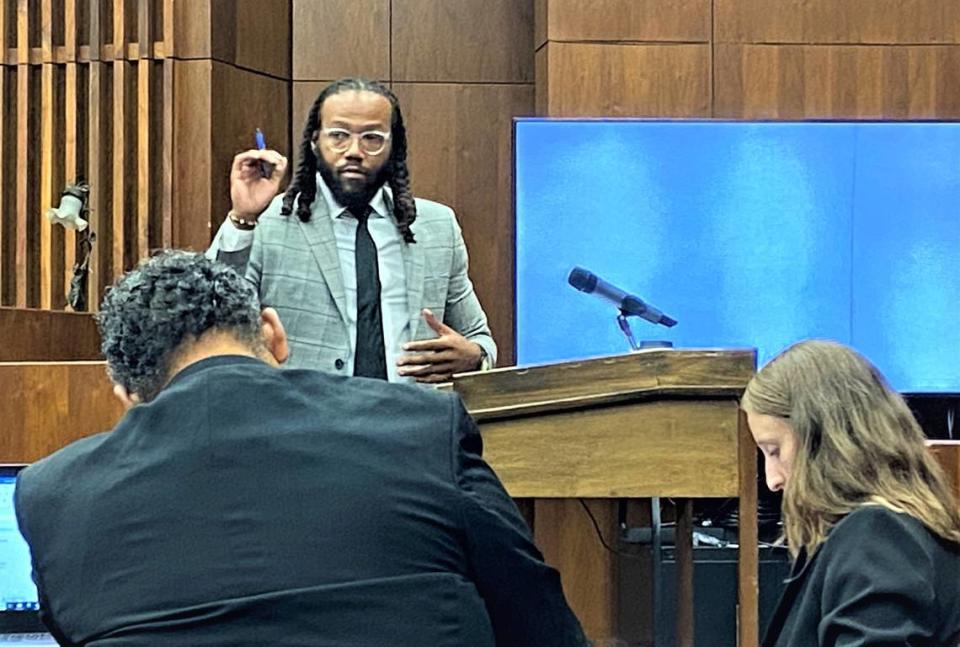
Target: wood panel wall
232 76
891 59
818 59
462 70
624 58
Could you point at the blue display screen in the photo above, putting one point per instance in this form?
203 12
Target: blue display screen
749 234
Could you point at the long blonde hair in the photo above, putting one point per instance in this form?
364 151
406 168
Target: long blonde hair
857 444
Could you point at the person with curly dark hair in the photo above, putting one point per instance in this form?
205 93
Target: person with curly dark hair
239 504
151 320
372 281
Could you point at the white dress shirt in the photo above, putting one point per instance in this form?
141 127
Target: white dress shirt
393 286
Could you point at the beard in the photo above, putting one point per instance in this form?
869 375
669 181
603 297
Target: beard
352 194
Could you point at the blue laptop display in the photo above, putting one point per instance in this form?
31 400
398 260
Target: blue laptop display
19 621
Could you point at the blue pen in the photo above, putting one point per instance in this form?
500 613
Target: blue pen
266 168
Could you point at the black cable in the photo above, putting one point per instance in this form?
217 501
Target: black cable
596 527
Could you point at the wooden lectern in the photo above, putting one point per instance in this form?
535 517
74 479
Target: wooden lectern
654 423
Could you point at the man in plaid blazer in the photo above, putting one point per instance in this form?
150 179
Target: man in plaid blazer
298 249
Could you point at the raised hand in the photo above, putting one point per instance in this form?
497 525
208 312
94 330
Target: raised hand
250 192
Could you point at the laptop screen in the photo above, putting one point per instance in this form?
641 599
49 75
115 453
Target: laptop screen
18 594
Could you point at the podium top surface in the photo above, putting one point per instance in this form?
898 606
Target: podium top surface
646 374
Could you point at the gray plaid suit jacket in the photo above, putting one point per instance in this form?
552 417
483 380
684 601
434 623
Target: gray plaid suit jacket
295 268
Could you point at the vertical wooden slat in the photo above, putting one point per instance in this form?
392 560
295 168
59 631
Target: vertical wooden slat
168 39
46 31
94 158
684 565
4 261
94 177
93 15
748 579
3 142
143 126
168 98
70 171
144 29
119 131
23 145
3 32
46 152
23 32
71 32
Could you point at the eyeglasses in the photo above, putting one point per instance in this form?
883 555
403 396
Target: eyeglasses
339 140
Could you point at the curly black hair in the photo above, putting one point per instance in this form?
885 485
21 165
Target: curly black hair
169 298
303 188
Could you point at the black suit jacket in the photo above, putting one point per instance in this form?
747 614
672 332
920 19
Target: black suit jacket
247 505
880 578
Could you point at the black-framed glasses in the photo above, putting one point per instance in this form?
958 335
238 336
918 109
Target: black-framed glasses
339 140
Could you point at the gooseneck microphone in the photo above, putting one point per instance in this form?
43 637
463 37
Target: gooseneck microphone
628 304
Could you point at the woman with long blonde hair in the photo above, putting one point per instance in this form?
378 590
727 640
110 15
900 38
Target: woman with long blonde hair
872 527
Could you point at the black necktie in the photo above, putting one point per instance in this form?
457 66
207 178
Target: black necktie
370 358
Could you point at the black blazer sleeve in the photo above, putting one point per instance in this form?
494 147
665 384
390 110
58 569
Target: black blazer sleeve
21 505
879 586
522 594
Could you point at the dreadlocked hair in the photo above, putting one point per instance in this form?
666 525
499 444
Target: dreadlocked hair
303 187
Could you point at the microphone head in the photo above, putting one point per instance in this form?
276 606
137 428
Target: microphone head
582 280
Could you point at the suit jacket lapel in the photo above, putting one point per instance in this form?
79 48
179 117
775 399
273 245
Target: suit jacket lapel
323 244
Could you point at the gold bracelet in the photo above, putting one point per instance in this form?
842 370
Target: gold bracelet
240 223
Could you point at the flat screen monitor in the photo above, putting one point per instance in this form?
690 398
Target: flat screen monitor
749 234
